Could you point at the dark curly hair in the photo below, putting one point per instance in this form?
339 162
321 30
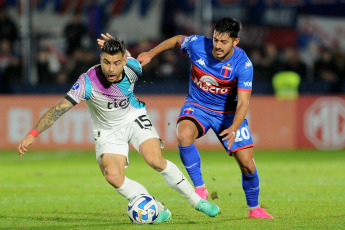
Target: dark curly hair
113 46
230 26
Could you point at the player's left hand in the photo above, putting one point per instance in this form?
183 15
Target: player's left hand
105 37
230 135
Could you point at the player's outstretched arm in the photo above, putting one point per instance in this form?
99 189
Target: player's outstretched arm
145 57
44 123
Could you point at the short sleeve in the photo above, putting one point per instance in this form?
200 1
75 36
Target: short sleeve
134 65
245 76
78 92
185 44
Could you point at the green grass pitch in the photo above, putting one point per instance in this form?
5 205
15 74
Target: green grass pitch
66 190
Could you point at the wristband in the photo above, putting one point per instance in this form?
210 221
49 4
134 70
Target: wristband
34 132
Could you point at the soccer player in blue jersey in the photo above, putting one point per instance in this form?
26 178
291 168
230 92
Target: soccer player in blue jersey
219 91
119 118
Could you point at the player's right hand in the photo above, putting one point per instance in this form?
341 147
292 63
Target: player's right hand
144 58
24 144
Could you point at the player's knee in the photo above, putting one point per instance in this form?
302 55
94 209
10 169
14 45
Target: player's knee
158 164
185 137
248 168
115 179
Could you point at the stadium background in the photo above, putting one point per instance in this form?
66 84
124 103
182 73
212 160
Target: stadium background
47 44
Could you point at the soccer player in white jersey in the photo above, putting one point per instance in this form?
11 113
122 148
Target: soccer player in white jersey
119 118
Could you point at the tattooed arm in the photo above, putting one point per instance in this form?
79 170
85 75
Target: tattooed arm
44 123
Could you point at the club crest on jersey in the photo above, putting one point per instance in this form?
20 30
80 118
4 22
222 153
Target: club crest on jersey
226 71
188 111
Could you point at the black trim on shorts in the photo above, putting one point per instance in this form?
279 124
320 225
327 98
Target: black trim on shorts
198 126
68 98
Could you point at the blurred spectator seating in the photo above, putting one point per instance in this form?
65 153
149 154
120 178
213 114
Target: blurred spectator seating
74 32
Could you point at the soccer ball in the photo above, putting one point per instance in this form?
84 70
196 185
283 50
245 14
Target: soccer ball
143 209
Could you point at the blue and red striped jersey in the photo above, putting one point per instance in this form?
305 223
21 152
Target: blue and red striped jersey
213 84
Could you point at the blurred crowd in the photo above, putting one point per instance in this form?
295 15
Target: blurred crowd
60 61
320 71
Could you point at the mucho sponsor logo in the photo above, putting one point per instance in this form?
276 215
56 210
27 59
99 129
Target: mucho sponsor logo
209 84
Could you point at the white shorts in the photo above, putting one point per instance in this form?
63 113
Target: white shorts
135 132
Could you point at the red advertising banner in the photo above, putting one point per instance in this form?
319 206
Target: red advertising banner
321 122
19 114
308 122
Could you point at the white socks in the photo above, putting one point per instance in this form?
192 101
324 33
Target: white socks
131 188
172 175
176 180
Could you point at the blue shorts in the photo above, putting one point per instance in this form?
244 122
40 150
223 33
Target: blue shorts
205 119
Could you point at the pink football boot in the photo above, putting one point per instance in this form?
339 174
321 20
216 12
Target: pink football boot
259 213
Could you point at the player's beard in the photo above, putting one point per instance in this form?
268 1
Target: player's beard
221 55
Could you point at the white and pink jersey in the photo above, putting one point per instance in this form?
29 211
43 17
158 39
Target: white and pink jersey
111 105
